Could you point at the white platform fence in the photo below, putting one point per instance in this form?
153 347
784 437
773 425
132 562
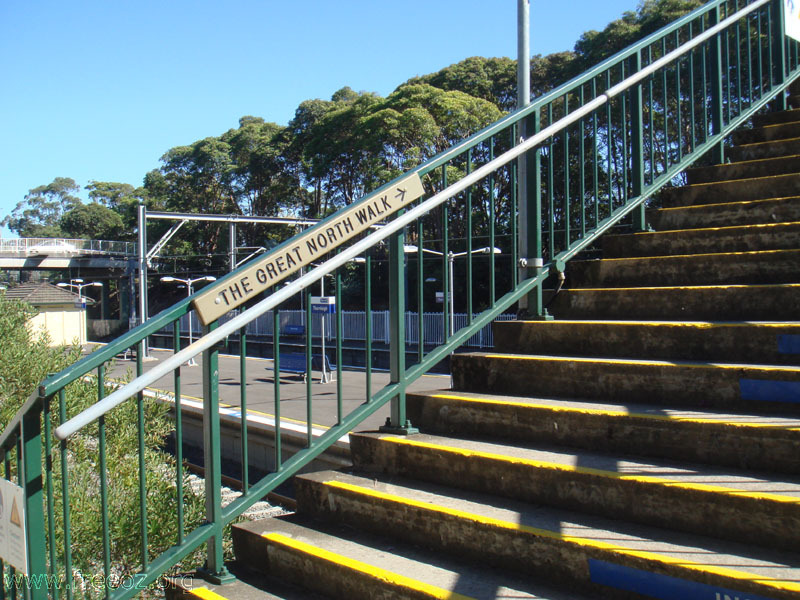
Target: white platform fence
354 326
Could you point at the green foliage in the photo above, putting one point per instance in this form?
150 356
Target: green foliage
651 15
331 152
40 213
93 221
26 358
122 198
25 361
492 79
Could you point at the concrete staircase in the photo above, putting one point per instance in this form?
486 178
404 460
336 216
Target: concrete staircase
645 444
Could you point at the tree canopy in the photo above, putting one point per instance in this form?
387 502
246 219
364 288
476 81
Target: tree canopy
39 215
331 152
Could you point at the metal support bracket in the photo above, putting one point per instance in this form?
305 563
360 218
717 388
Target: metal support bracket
217 578
406 429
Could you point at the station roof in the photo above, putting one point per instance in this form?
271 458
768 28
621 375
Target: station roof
40 294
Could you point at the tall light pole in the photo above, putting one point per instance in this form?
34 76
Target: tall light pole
78 284
189 283
451 260
523 99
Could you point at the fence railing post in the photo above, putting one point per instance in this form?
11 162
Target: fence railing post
637 151
779 51
34 500
717 124
397 423
214 569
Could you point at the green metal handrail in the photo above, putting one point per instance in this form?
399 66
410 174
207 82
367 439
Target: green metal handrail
596 149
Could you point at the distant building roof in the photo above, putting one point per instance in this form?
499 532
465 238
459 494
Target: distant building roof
40 294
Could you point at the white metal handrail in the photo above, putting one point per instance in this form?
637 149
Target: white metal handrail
398 224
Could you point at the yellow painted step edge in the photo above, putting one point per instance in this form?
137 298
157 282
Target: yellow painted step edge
753 226
692 325
794 139
767 286
723 571
701 487
763 178
739 202
206 594
610 413
752 161
369 570
750 253
751 369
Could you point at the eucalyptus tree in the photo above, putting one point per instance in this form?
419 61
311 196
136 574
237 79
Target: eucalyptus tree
94 221
39 214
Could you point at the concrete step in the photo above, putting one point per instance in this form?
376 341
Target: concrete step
248 585
344 562
605 558
724 386
774 118
721 503
744 170
767 133
760 150
779 302
742 342
756 188
726 214
738 238
760 267
742 441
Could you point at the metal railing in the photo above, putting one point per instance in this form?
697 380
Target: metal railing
595 150
65 247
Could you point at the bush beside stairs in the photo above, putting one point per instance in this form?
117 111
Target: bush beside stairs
645 444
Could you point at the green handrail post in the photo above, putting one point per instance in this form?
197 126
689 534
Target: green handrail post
368 324
243 408
397 422
34 500
214 569
779 51
717 122
67 527
637 155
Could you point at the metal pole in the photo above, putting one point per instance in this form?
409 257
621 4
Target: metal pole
232 246
523 53
192 362
523 99
143 271
324 378
451 259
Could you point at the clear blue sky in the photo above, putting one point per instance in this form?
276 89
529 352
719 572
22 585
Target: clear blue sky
100 90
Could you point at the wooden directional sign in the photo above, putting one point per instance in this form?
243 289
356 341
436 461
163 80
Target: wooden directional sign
305 248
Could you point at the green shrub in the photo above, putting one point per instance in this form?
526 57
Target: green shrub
25 360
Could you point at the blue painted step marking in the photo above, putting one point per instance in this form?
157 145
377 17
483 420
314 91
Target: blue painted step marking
656 585
789 344
769 391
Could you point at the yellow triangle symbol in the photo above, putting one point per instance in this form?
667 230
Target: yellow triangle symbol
15 514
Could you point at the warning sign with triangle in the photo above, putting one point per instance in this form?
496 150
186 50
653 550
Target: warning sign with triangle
15 519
